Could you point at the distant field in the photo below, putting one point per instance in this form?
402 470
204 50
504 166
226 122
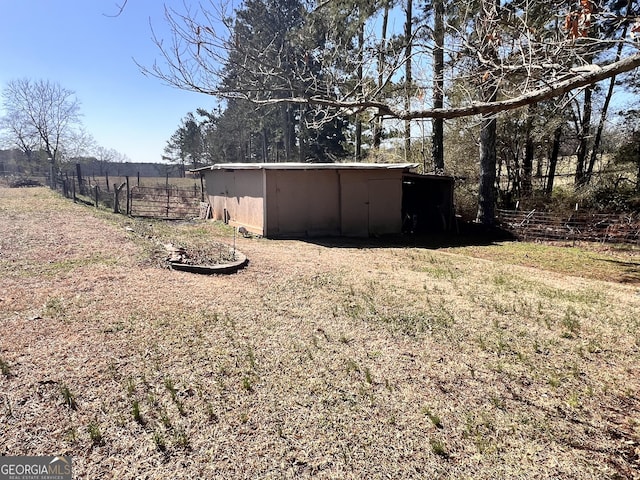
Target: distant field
331 359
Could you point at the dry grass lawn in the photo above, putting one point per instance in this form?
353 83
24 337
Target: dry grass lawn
360 360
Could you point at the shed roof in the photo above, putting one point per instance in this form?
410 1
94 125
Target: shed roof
307 166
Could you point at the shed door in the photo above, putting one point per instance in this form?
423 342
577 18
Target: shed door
384 206
370 206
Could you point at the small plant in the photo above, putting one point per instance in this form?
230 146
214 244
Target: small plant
438 447
182 440
573 400
246 384
352 366
159 442
251 357
367 376
137 414
5 369
571 323
131 386
211 414
164 418
68 397
435 419
94 433
54 308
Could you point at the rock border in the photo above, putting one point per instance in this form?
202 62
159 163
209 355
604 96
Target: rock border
221 268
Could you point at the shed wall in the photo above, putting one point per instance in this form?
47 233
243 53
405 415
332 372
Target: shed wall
303 202
281 202
240 194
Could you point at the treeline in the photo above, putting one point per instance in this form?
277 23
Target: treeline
508 94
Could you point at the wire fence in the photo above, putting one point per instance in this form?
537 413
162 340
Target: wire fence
577 226
161 201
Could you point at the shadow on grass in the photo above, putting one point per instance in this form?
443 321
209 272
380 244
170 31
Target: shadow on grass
468 234
630 271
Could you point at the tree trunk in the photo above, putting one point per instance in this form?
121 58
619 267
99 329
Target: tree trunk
437 139
358 152
488 127
487 186
529 150
605 108
583 135
377 126
553 160
408 33
638 173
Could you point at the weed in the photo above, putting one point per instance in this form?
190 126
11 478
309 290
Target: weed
54 308
94 433
182 439
367 376
438 447
68 397
554 381
71 435
498 402
159 442
164 418
573 400
130 386
246 384
571 323
170 386
211 413
251 357
435 419
5 369
352 366
344 339
137 414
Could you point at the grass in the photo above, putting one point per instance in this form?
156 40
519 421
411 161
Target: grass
355 360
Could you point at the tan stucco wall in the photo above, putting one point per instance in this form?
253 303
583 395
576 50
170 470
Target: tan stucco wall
280 202
371 202
241 194
302 202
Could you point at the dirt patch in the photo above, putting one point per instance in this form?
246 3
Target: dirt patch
344 361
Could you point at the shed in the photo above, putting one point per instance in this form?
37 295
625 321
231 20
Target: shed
310 199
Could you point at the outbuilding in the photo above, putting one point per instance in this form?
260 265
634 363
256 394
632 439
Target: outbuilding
326 199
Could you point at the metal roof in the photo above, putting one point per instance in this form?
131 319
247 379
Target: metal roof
307 166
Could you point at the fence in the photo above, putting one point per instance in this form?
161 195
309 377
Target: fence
577 226
160 201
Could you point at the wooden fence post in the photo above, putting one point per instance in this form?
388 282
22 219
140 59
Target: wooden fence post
128 196
80 183
116 194
106 178
95 194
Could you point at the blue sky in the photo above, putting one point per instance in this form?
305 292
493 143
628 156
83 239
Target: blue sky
74 43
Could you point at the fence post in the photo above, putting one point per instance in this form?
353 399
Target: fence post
95 194
168 197
128 196
106 178
73 185
116 199
79 175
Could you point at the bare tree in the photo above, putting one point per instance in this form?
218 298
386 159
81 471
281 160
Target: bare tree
194 58
41 114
